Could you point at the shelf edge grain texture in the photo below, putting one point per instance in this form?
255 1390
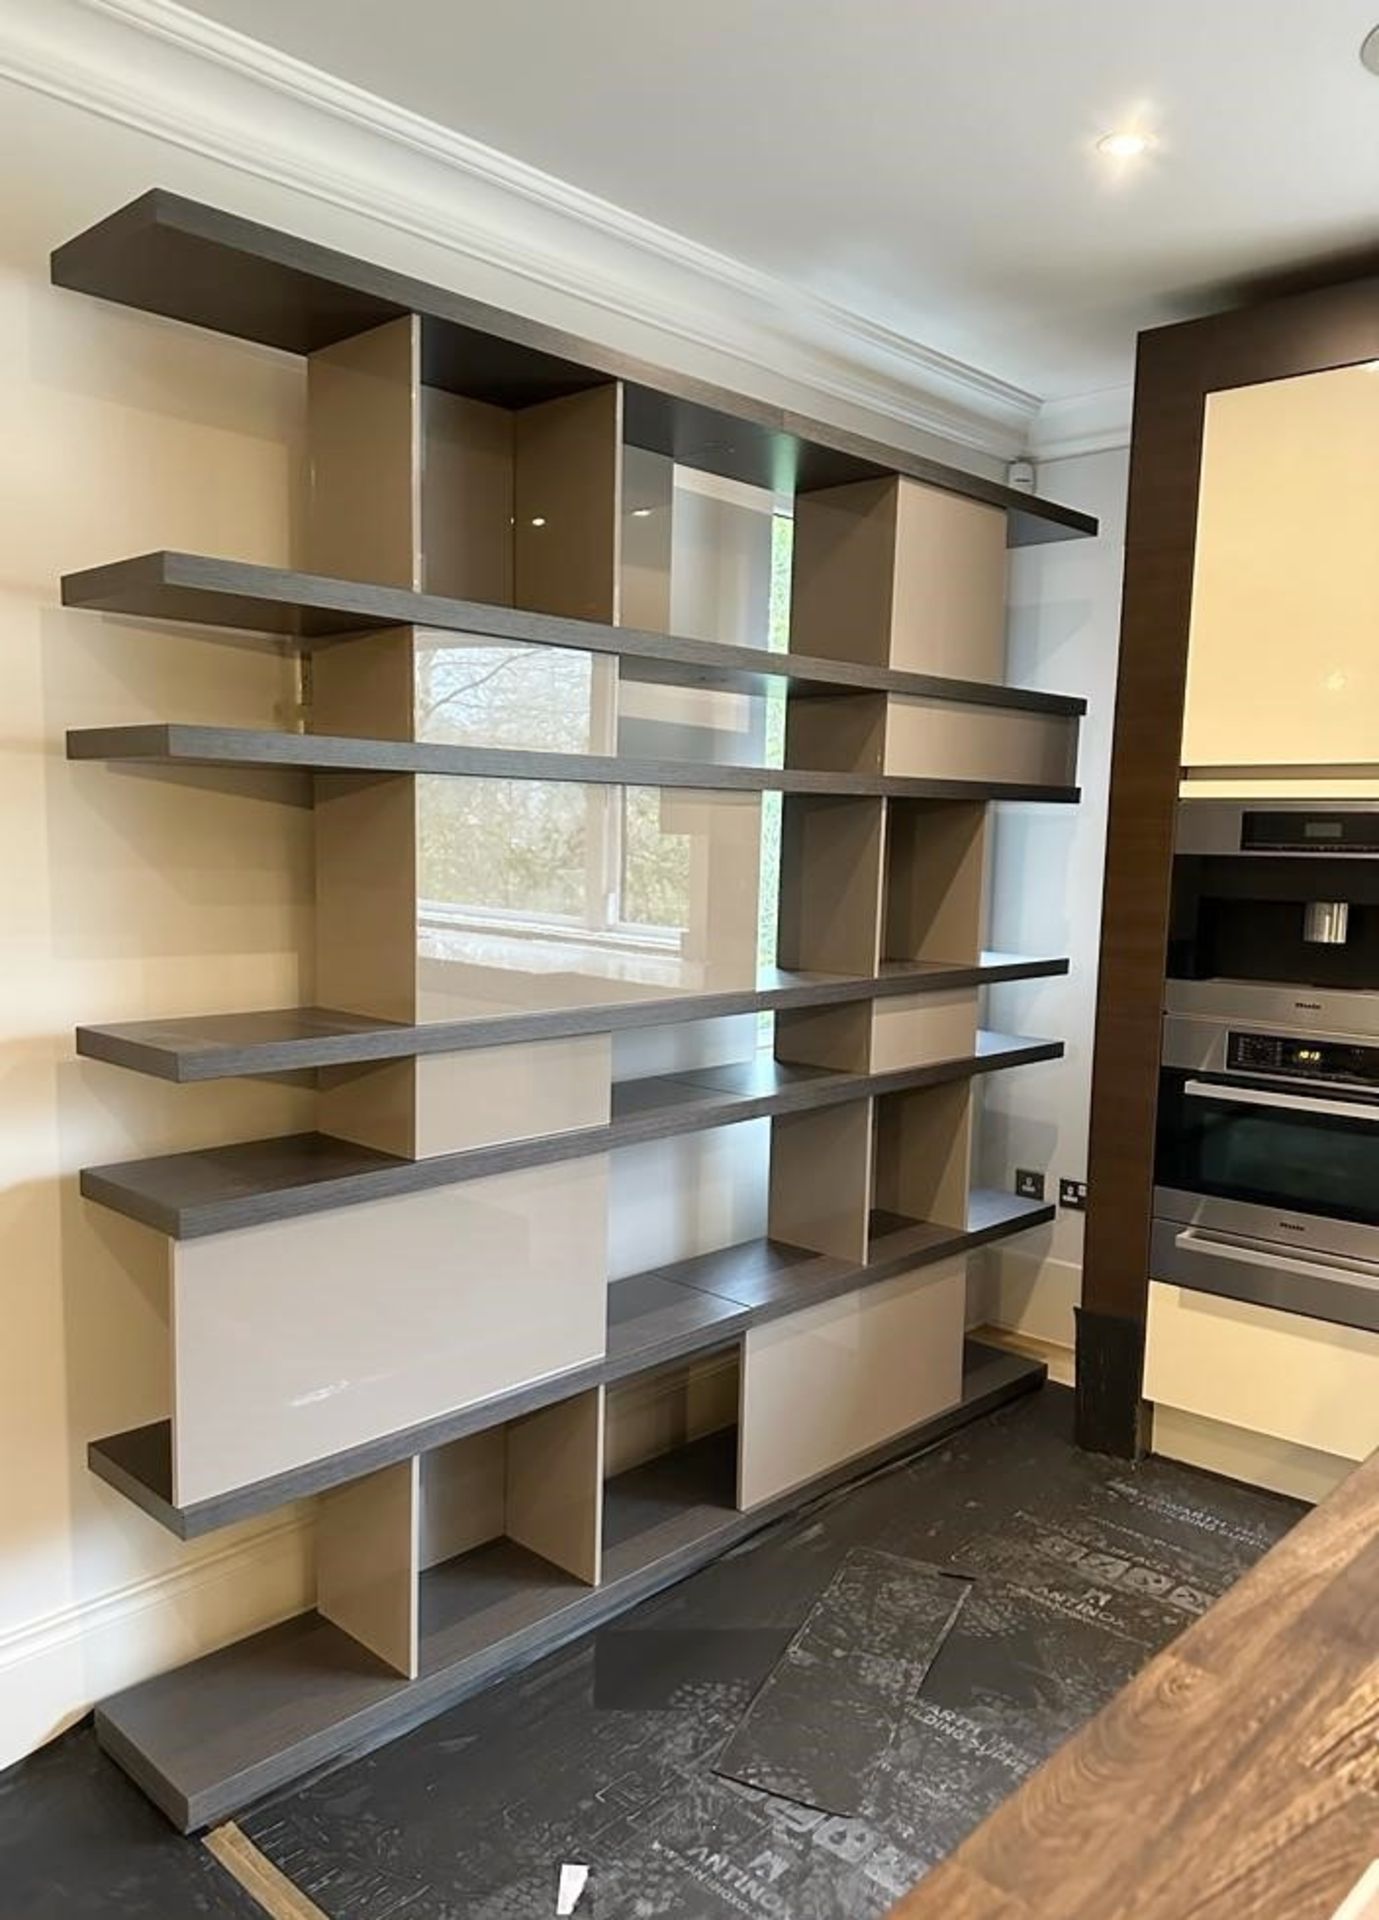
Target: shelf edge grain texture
225 1046
317 610
164 744
248 1183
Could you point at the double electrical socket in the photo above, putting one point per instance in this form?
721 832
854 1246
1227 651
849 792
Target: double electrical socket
1072 1194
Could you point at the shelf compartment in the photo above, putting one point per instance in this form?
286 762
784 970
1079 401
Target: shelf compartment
206 1739
903 734
220 1046
318 610
525 1490
163 253
893 573
922 1156
214 1190
196 746
881 1035
671 1507
934 881
664 1314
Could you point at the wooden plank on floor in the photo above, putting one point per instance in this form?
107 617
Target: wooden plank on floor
258 1876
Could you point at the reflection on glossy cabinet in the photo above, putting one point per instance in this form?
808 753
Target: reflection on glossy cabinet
1283 666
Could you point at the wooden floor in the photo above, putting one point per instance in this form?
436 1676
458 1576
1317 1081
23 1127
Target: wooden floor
1236 1778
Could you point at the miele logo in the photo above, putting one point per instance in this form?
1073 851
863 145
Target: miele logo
1291 1226
1308 1006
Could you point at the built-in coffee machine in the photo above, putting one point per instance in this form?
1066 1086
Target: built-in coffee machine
1267 1156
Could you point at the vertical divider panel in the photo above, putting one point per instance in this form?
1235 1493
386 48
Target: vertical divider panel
555 1484
366 894
821 1179
368 1563
467 475
567 508
948 612
363 517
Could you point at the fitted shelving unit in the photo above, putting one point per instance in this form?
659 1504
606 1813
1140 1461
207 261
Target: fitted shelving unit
422 1313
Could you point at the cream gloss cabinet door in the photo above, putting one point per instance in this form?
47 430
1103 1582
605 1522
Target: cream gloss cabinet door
1283 666
1304 1381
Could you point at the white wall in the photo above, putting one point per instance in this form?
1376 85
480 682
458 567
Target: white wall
1045 884
129 895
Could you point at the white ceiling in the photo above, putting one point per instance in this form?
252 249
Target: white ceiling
928 163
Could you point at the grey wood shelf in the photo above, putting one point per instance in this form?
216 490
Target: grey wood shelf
217 1189
174 745
206 1739
222 1046
317 611
667 1313
166 254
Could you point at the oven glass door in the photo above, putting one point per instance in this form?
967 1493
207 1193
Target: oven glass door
1301 1152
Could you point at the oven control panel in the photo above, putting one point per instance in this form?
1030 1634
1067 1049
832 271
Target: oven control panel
1300 1057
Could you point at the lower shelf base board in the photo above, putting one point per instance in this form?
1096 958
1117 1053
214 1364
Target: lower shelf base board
205 1740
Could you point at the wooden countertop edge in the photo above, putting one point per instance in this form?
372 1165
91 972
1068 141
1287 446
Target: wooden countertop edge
1285 1665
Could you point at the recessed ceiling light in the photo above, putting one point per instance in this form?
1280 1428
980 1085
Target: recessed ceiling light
1369 50
1126 145
538 520
641 513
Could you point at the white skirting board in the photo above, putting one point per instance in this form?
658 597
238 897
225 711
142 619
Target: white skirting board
1030 1294
53 1668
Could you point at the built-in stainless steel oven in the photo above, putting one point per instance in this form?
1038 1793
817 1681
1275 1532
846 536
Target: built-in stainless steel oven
1267 1166
1267 1152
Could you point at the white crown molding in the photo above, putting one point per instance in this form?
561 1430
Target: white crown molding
1083 423
154 66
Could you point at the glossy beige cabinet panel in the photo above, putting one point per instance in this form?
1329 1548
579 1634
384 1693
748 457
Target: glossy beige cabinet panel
1283 669
302 1338
821 1386
1273 1373
366 1563
452 1102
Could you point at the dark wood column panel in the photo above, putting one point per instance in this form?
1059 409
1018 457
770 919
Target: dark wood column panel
1177 369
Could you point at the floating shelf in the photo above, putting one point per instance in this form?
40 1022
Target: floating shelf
206 1739
174 745
317 611
166 254
655 1317
217 1189
223 1046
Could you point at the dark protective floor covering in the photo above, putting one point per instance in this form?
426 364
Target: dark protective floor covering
831 1708
605 1753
